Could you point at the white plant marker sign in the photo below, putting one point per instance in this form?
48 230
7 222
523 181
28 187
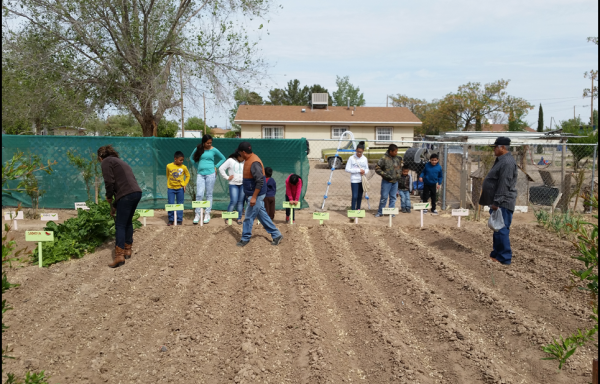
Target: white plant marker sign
81 206
14 216
356 214
421 207
202 205
229 216
145 213
48 216
321 216
390 212
291 207
460 213
39 236
174 208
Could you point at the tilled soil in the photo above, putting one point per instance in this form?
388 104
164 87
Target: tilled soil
332 304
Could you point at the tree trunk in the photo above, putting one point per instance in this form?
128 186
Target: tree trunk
478 126
148 125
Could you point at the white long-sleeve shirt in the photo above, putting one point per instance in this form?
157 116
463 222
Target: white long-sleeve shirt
354 165
235 168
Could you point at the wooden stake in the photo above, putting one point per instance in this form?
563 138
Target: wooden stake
202 217
144 219
458 221
40 252
421 218
595 371
390 225
175 216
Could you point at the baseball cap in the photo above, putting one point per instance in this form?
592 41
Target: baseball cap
501 141
245 147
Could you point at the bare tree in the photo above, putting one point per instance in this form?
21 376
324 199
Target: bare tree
126 51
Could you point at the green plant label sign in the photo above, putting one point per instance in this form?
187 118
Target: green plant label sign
460 212
354 214
49 216
200 204
173 207
389 211
287 204
12 215
230 215
321 216
421 206
39 236
81 206
145 212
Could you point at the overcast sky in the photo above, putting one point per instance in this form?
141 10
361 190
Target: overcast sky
427 49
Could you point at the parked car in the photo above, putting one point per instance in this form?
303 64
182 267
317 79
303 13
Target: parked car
372 153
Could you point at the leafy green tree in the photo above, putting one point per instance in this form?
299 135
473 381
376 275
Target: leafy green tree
296 94
346 90
243 96
516 122
194 124
277 96
540 127
167 128
125 51
34 95
121 125
577 127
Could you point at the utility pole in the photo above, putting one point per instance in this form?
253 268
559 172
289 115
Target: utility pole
204 100
181 82
387 98
592 97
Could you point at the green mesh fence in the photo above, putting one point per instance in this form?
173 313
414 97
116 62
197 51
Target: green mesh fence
148 157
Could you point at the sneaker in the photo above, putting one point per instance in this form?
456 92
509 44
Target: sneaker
180 223
393 215
196 219
242 243
378 215
407 210
277 240
170 223
240 222
434 212
425 210
207 219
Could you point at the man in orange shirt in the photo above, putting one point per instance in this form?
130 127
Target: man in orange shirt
255 188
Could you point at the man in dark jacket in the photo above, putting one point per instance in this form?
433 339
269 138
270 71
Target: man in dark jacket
389 167
499 192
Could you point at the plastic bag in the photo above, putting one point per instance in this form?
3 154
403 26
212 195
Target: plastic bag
496 221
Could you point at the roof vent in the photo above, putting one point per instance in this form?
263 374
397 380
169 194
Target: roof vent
320 100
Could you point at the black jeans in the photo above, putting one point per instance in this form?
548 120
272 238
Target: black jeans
430 190
126 207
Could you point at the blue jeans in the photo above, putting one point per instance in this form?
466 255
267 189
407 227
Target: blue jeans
258 211
387 190
205 184
126 207
502 251
236 199
357 195
404 199
172 195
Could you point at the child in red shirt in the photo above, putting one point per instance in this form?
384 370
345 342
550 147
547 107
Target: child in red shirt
293 189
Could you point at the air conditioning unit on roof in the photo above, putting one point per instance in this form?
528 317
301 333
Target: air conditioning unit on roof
320 100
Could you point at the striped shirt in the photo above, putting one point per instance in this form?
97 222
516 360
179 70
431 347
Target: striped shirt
500 185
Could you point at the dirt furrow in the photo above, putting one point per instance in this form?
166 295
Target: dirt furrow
374 316
483 314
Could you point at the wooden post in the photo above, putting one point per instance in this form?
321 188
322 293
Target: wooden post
595 372
463 179
181 83
96 189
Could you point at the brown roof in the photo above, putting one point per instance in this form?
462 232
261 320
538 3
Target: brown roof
218 131
501 128
334 115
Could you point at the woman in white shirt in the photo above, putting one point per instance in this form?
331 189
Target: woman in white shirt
357 166
233 170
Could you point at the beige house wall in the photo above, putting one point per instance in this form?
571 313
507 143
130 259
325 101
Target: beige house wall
315 132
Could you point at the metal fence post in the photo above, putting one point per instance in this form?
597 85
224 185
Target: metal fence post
593 173
445 176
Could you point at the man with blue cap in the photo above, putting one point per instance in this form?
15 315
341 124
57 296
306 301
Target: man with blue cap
499 191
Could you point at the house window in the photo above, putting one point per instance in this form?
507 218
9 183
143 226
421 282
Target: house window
383 134
273 132
336 132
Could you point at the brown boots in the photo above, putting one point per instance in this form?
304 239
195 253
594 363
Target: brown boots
118 258
128 251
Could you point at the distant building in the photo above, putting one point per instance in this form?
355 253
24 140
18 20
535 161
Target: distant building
376 124
67 131
214 132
